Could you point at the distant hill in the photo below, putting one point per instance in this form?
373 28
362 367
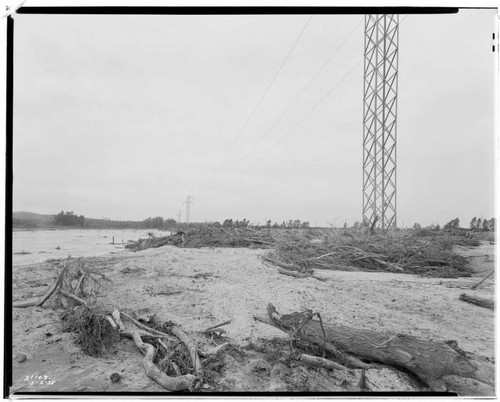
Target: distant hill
22 219
31 219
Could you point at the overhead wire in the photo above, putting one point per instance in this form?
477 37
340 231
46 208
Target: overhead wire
304 88
265 91
307 114
316 105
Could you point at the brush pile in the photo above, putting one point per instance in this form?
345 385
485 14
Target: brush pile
209 237
397 251
423 252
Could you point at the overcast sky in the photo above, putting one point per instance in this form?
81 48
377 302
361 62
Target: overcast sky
124 116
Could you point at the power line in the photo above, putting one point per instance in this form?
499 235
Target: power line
266 91
304 88
312 109
307 114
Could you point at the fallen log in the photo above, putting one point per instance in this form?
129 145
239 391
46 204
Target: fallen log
478 301
179 383
349 360
429 361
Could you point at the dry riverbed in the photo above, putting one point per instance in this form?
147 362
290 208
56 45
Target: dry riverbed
199 288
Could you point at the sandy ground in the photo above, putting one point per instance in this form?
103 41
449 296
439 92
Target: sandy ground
216 285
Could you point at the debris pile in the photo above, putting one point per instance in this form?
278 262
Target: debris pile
422 252
209 237
397 251
171 357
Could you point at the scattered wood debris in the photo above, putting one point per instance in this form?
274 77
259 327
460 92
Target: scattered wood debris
397 251
475 286
431 362
208 237
301 251
478 301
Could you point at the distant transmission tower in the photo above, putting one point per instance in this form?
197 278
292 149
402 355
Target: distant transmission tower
188 202
379 119
179 216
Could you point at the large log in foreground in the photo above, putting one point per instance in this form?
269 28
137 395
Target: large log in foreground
429 361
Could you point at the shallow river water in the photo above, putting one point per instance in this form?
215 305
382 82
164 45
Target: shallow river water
31 246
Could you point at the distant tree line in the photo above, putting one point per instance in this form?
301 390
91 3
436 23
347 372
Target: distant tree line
159 223
69 218
291 224
228 223
245 223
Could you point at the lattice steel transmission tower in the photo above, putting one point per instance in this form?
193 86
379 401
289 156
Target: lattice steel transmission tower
379 120
188 202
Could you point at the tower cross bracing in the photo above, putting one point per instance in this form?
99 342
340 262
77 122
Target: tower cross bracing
379 119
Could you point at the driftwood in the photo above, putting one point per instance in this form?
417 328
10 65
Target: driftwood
321 362
117 319
179 383
179 334
111 321
428 361
481 281
215 327
188 342
38 301
72 296
292 273
144 327
478 301
190 345
290 270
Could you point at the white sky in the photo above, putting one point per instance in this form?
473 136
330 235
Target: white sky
124 116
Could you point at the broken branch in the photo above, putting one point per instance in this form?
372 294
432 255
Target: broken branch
42 299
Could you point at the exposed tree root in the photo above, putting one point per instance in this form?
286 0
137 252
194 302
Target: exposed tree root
179 383
153 371
186 340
